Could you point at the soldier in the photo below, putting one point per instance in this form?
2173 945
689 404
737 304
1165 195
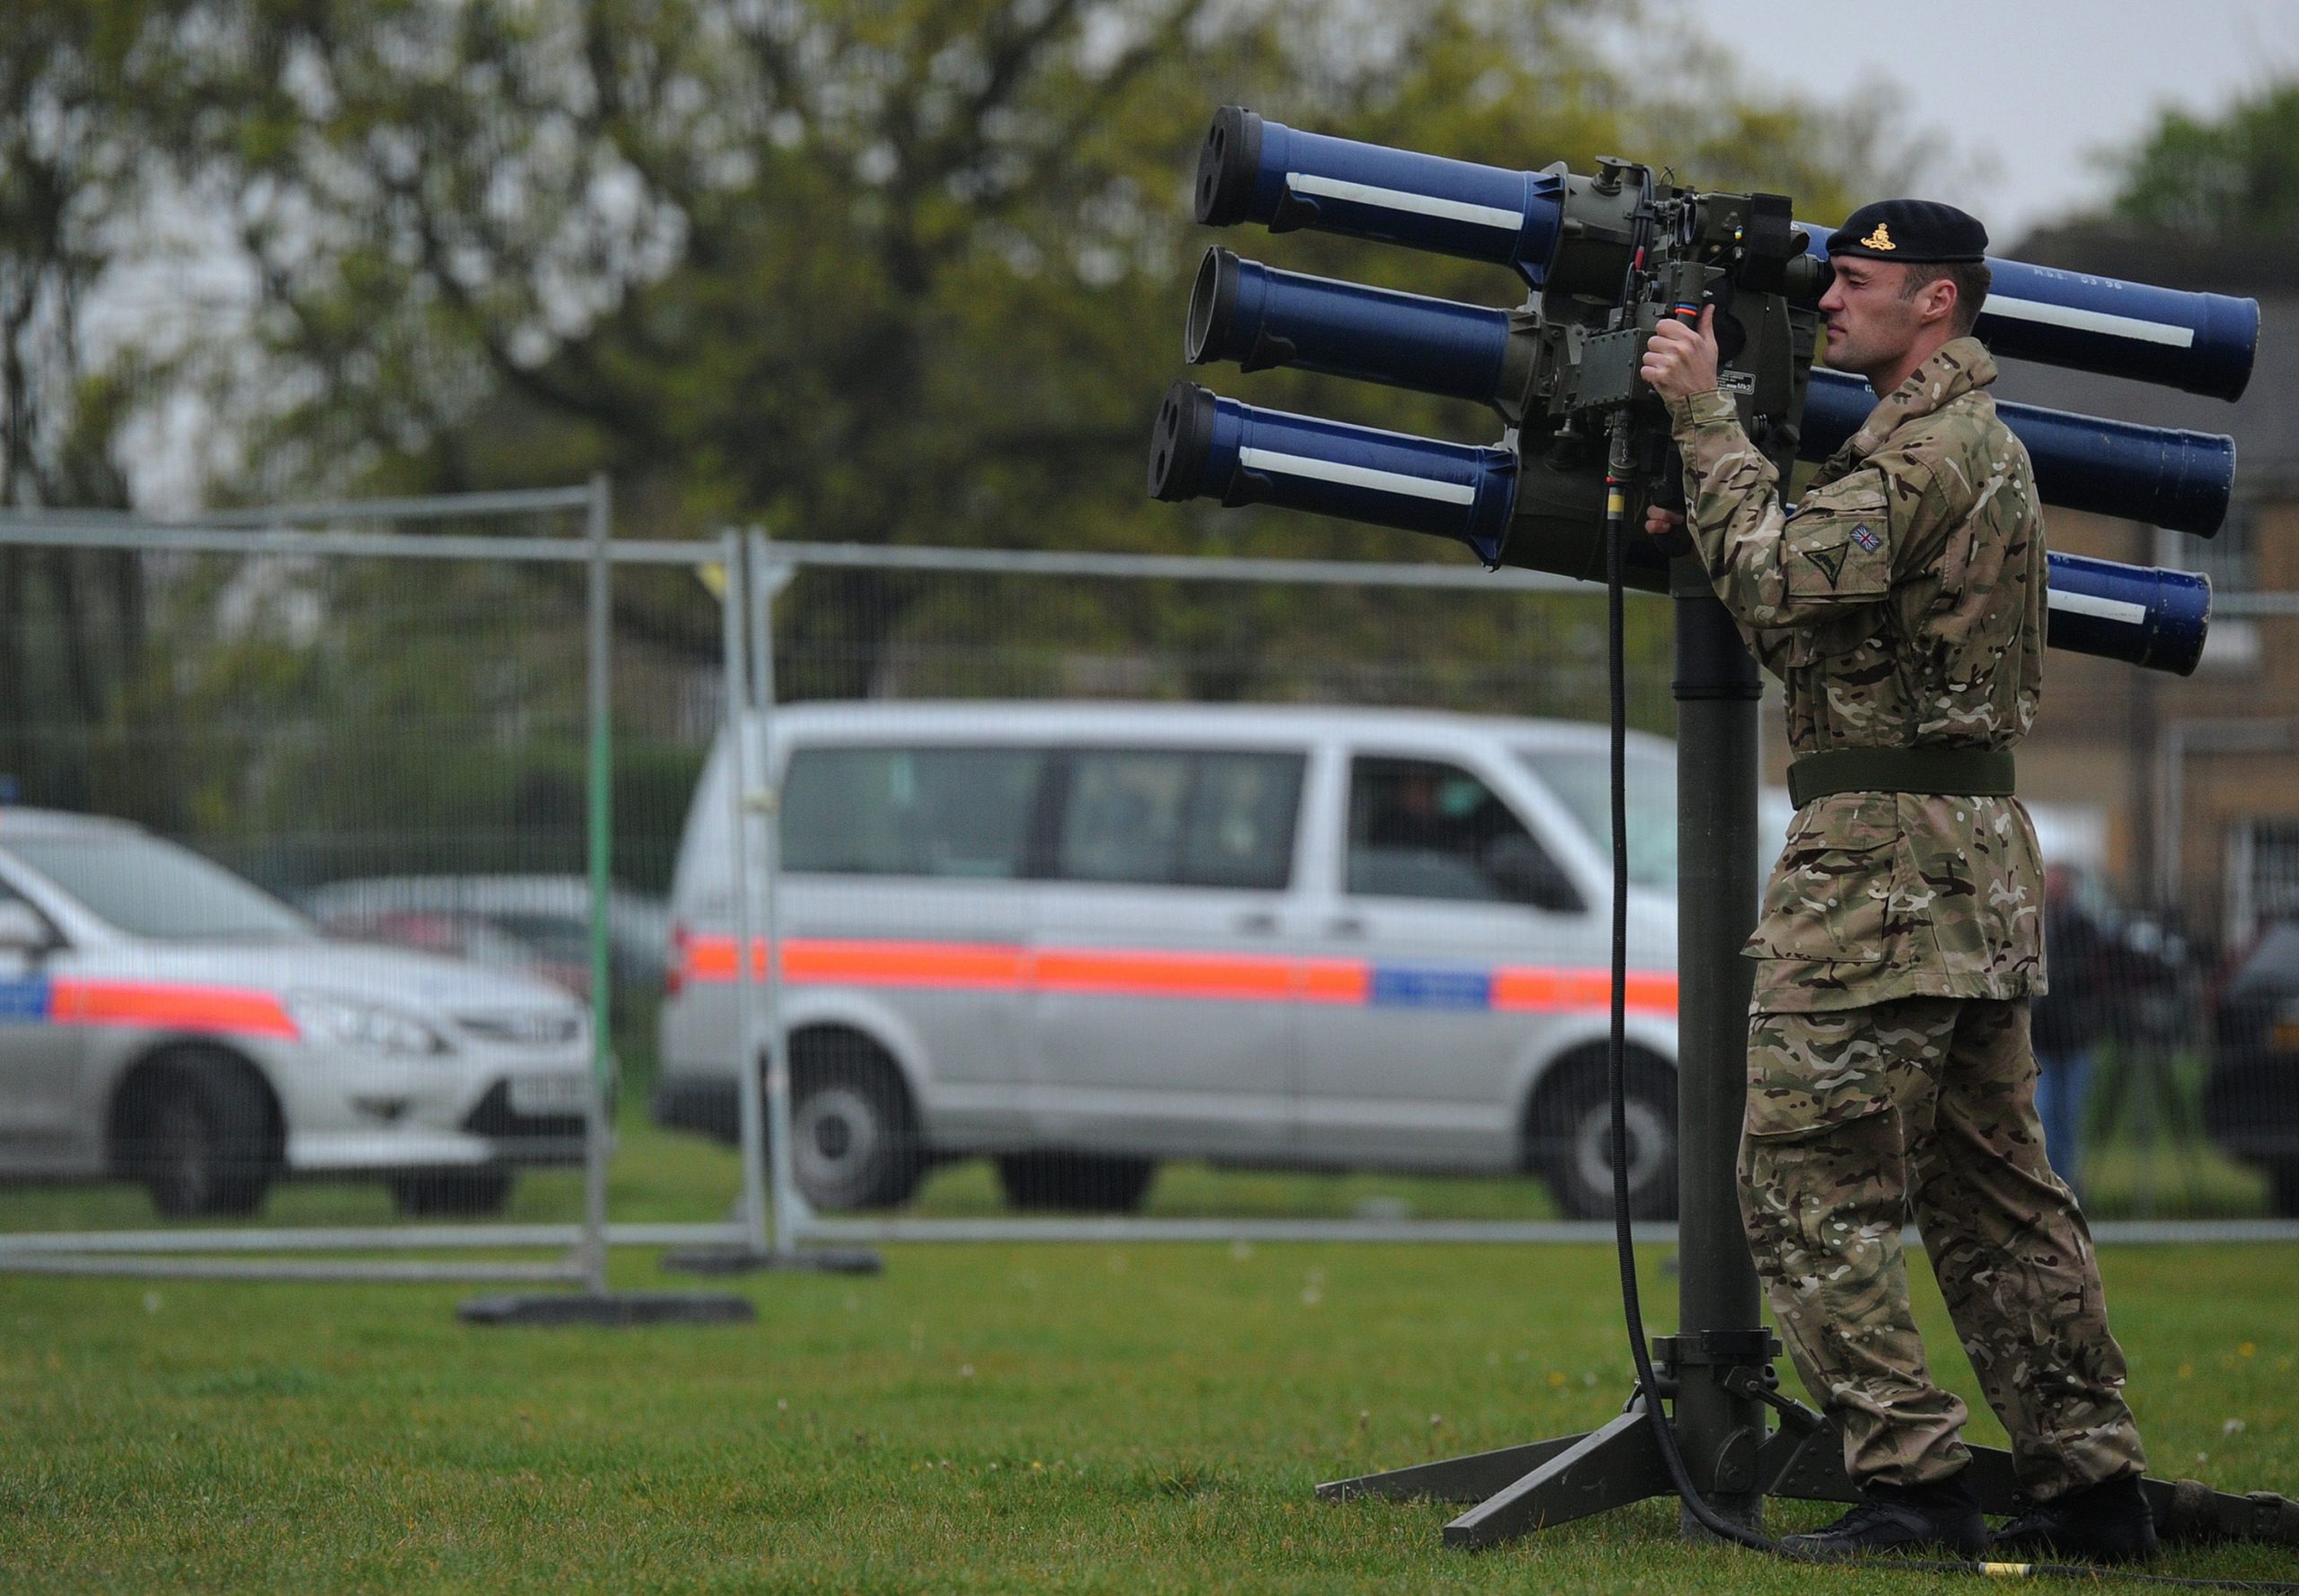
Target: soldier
1901 603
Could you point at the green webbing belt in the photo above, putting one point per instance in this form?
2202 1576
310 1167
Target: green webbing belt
1977 772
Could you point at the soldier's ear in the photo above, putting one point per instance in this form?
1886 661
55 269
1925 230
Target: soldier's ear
1936 300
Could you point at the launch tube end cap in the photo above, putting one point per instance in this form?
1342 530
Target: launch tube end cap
1180 443
1213 309
1229 167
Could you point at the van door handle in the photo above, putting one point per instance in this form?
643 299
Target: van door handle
1259 923
1346 925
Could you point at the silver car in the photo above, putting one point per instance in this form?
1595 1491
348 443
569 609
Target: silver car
162 1021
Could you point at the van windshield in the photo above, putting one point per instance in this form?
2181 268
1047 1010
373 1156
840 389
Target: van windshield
1582 782
152 888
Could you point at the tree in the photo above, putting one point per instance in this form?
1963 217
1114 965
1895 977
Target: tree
2234 178
872 271
72 623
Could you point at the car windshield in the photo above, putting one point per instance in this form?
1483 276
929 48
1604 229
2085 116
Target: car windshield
1580 780
151 888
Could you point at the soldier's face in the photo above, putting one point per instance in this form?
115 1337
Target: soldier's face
1870 328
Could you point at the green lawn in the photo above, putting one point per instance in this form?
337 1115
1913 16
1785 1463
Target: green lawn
980 1417
658 1176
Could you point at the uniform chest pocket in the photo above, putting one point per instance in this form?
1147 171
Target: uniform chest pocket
1830 897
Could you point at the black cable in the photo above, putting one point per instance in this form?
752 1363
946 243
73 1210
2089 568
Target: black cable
1648 1384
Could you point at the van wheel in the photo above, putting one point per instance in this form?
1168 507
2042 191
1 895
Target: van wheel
1075 1182
1569 1137
198 1136
451 1193
853 1135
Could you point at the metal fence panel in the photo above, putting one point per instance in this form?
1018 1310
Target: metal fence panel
297 910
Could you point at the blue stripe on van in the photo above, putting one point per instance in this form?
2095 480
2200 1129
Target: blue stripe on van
1396 986
24 997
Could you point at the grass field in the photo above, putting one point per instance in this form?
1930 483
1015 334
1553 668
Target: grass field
978 1419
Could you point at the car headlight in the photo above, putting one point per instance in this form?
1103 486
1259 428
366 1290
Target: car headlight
372 1028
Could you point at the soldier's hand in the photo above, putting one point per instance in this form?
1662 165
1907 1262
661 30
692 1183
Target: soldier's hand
1680 361
1662 523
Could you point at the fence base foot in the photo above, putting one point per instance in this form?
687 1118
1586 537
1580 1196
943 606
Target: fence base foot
614 1309
743 1260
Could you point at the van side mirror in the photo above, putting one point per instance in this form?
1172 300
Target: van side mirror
1527 875
22 930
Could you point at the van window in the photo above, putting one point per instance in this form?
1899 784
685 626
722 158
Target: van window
1171 816
910 811
1422 828
1584 781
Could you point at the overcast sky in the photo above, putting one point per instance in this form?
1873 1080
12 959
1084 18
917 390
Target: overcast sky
2025 89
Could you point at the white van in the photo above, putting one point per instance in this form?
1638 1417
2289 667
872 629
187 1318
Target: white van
1084 937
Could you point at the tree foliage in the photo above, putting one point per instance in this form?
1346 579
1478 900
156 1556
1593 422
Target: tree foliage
2233 177
871 270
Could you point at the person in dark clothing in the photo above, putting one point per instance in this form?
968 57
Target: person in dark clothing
2067 1022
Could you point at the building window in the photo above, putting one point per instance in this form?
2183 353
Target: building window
2229 560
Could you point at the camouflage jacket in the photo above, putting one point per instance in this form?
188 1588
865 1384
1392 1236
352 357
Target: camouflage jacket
1901 603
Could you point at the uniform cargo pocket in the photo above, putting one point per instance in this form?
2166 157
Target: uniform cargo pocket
1827 896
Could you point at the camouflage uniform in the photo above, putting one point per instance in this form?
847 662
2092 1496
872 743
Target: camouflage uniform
1902 604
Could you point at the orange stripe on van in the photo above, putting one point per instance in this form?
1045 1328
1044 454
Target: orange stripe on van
212 1010
1346 980
1244 976
895 964
1531 989
998 967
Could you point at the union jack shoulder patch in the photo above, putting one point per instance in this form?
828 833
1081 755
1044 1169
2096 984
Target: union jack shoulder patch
1867 537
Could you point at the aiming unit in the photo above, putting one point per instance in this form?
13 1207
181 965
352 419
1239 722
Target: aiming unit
1607 257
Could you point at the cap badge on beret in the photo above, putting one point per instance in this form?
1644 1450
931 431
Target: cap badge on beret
1882 239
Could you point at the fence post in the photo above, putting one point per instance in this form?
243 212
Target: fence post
600 530
751 1116
790 1209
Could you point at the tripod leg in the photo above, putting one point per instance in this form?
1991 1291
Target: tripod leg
1471 1478
1605 1468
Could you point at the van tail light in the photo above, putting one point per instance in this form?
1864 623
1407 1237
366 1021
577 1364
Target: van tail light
675 968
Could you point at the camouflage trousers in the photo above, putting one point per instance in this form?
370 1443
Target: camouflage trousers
1853 1119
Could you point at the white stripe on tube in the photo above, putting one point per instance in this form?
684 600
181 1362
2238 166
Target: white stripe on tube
2104 608
1357 476
1424 205
2084 320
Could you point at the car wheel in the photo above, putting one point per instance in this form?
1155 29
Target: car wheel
1076 1182
853 1137
1569 1138
199 1138
451 1193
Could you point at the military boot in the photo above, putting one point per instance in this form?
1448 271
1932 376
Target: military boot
1941 1515
2108 1522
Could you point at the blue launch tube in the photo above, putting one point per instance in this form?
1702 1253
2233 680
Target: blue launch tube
1210 447
1206 446
1259 316
2140 614
2199 343
1254 170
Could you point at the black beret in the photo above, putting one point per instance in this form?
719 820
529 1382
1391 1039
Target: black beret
1913 230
